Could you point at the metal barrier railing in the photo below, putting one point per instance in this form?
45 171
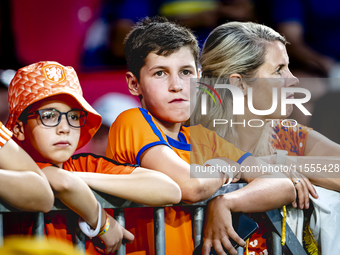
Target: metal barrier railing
118 204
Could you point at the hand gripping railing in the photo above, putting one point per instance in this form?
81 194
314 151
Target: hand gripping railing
119 205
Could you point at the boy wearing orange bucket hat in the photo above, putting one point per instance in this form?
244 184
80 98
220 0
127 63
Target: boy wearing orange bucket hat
39 97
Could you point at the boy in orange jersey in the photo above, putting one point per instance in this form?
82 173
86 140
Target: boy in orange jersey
39 97
162 58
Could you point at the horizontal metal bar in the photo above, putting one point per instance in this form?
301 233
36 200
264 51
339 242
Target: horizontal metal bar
4 207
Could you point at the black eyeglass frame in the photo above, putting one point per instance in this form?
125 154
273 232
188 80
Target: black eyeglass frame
60 116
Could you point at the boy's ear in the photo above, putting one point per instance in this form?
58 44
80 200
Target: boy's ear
236 80
132 83
18 130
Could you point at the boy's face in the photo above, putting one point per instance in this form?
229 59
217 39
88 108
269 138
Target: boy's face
51 144
165 85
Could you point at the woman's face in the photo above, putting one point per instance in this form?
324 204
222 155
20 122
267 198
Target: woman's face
274 73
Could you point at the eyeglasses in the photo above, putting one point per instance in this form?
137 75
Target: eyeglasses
52 117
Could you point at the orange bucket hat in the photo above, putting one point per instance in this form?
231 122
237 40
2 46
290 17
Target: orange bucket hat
45 79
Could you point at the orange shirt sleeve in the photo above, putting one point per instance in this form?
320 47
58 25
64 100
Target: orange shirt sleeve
133 132
226 149
292 139
206 144
43 165
88 162
5 135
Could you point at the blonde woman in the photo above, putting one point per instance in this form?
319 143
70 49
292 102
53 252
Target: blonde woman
253 58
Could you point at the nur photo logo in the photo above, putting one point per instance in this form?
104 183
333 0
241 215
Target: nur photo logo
280 97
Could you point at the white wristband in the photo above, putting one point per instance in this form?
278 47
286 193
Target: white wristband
280 156
222 165
86 228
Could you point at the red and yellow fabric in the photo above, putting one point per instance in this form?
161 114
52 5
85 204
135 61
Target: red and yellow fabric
293 140
5 135
133 132
58 224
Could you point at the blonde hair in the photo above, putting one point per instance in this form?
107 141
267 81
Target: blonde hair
234 47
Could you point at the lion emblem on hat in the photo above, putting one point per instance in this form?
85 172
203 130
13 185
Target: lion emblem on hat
54 73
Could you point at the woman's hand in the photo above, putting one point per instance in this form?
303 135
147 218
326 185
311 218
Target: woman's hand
218 228
113 237
301 183
303 187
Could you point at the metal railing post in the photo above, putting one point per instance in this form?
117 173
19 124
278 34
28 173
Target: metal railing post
240 251
1 230
198 225
79 240
159 230
277 247
120 218
39 225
